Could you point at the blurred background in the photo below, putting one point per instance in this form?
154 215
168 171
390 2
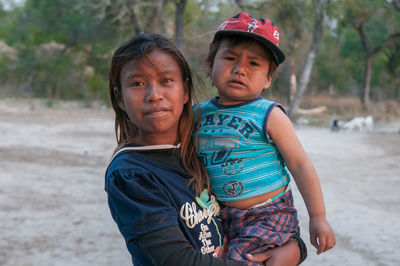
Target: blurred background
344 55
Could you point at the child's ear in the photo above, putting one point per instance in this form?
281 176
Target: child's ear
119 99
268 82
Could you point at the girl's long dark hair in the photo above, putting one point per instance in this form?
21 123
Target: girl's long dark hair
126 131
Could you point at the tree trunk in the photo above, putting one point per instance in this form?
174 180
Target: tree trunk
135 21
364 94
332 90
163 24
46 88
304 79
320 7
292 79
396 86
180 8
367 82
151 20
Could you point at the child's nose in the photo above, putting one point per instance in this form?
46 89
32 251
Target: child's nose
238 68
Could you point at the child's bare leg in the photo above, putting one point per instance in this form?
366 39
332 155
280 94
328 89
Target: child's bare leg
288 254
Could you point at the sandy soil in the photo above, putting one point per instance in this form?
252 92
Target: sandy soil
53 208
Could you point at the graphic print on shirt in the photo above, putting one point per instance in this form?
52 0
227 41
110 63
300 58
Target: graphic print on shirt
233 188
215 150
222 147
233 144
216 121
203 218
221 144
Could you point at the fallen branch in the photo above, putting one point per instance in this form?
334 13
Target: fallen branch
312 111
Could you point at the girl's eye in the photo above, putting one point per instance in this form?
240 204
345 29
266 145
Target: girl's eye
137 84
229 58
253 63
167 80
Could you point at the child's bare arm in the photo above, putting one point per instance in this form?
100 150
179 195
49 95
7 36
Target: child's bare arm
282 133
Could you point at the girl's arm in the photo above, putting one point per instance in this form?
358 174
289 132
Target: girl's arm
282 133
168 246
293 252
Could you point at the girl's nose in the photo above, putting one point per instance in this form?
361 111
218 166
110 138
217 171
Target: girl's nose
153 93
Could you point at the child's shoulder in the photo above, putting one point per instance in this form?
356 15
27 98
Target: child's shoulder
205 104
266 101
261 103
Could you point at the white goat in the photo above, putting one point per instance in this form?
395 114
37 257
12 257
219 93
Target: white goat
362 124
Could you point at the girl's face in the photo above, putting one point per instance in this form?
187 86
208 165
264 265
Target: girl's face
153 96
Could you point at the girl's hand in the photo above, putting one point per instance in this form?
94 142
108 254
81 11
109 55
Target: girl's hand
288 254
321 234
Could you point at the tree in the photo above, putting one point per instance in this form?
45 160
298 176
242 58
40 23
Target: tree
362 16
321 7
393 67
288 15
180 8
62 23
129 16
134 17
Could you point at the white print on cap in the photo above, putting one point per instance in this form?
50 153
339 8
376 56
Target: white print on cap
252 25
222 26
276 35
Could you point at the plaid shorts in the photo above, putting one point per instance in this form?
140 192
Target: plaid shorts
257 229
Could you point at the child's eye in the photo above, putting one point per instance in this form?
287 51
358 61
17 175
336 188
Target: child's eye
254 63
229 58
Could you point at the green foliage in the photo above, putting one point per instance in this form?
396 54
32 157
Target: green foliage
378 20
98 88
48 103
62 49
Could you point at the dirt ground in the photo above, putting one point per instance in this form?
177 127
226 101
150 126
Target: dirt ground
53 208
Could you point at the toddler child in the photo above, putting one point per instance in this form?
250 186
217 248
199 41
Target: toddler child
246 142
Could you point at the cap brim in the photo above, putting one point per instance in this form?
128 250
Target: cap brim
275 51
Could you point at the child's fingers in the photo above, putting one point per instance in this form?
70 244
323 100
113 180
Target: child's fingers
322 244
331 242
327 242
313 240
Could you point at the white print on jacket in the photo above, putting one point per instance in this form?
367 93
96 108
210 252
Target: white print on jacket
193 217
205 236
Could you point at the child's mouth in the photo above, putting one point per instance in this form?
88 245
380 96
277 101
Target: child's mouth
235 82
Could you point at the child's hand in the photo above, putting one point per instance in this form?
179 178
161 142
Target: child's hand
220 252
321 234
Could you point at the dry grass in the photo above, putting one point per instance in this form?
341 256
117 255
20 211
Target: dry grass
346 108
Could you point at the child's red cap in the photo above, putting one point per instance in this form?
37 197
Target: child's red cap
262 30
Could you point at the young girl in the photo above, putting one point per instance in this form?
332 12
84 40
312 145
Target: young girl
246 141
156 186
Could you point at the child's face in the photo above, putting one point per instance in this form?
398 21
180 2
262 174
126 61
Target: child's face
153 96
240 72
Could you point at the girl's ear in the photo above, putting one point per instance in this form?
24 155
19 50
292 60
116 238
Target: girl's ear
186 94
119 99
186 98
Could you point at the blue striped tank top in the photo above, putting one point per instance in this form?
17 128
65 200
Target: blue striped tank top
234 146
